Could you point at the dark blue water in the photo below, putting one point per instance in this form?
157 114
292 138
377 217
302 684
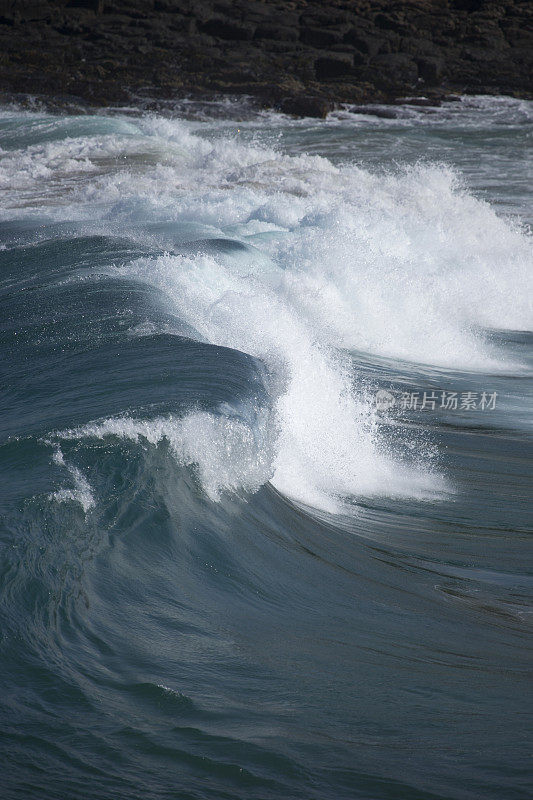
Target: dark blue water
224 572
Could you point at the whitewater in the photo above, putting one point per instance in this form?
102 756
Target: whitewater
227 570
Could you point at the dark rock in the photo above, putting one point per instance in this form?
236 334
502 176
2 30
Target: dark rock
333 66
359 59
168 6
91 5
228 30
396 68
303 54
320 37
319 18
389 22
468 5
276 32
365 44
26 11
417 46
304 105
421 102
382 113
431 70
237 76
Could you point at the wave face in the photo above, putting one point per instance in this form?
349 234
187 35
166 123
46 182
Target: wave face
266 453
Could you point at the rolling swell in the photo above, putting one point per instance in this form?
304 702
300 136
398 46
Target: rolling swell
224 573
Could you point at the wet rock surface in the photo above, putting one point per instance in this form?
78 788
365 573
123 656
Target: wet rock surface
300 56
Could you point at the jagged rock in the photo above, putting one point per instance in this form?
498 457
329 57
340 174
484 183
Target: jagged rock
300 53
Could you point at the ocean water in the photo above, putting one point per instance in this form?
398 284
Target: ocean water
266 454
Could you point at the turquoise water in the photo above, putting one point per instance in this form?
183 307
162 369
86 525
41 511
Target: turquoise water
226 569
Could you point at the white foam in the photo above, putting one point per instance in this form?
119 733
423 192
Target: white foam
229 454
81 493
410 266
403 264
321 443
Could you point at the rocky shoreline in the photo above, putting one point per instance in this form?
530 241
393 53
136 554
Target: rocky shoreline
301 56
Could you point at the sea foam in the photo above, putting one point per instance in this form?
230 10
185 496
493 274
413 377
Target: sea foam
81 492
331 259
